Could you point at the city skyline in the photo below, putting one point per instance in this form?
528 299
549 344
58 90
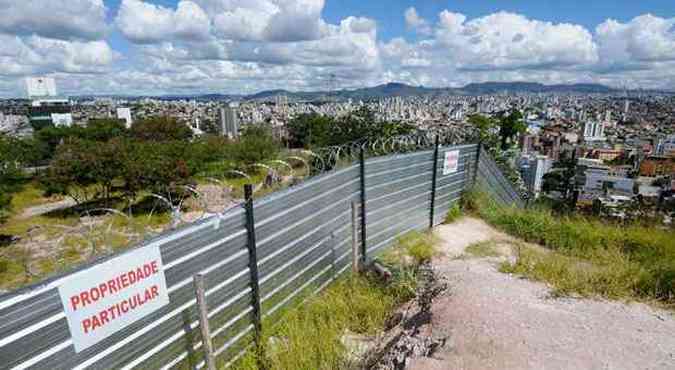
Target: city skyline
135 47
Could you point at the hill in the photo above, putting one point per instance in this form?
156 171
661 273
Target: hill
400 89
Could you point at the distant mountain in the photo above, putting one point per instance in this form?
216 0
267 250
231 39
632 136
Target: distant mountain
400 89
533 87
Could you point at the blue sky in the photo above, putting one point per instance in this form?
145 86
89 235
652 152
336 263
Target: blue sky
588 13
241 46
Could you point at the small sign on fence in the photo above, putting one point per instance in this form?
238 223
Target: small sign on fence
110 296
451 162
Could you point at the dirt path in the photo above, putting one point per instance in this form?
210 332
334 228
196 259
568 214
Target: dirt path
42 209
498 321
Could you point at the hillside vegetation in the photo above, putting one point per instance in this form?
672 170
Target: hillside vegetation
587 256
312 335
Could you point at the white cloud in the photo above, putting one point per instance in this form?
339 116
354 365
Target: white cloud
644 39
36 55
414 22
60 19
143 22
507 41
249 45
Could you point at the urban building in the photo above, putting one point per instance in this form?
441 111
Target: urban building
533 168
46 107
594 131
657 166
229 120
124 114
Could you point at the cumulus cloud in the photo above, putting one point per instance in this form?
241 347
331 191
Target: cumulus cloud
644 39
35 55
414 22
286 38
55 36
60 19
249 45
507 41
143 22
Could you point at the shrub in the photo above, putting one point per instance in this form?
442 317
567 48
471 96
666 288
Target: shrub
454 213
419 246
590 256
310 336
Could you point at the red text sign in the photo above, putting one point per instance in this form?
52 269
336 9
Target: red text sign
110 296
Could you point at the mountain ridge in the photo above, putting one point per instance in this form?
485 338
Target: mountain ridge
401 89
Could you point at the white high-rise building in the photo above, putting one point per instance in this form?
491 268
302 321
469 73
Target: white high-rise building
229 120
594 131
533 168
124 114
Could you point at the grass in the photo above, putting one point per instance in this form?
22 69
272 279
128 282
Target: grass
486 248
588 256
30 195
310 336
19 266
416 245
454 213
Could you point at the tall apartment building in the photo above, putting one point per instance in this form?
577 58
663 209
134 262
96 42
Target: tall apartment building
228 117
594 131
533 168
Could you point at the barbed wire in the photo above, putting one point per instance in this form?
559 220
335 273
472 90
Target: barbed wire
188 203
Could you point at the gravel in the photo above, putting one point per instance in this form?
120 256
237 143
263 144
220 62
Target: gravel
498 321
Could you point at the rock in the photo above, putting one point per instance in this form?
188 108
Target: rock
358 346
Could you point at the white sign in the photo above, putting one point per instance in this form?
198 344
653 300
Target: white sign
40 86
451 162
108 297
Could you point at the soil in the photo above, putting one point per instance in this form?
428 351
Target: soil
495 321
42 209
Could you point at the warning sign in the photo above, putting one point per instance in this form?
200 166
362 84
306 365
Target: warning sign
451 163
110 296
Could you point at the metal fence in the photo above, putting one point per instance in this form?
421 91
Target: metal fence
491 180
256 260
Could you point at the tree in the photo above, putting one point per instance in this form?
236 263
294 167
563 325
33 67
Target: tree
362 124
160 129
485 127
156 166
310 130
9 172
510 126
84 169
103 129
256 145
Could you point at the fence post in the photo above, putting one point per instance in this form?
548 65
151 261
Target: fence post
475 169
355 239
364 251
204 322
433 185
253 263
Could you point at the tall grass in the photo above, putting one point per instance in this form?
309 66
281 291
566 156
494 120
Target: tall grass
589 256
454 213
310 337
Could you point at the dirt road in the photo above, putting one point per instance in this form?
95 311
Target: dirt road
498 321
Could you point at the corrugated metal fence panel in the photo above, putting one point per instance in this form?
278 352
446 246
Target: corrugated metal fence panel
491 179
449 188
303 239
398 192
34 333
302 233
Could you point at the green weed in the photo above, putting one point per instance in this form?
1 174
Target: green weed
310 336
486 248
454 213
589 256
